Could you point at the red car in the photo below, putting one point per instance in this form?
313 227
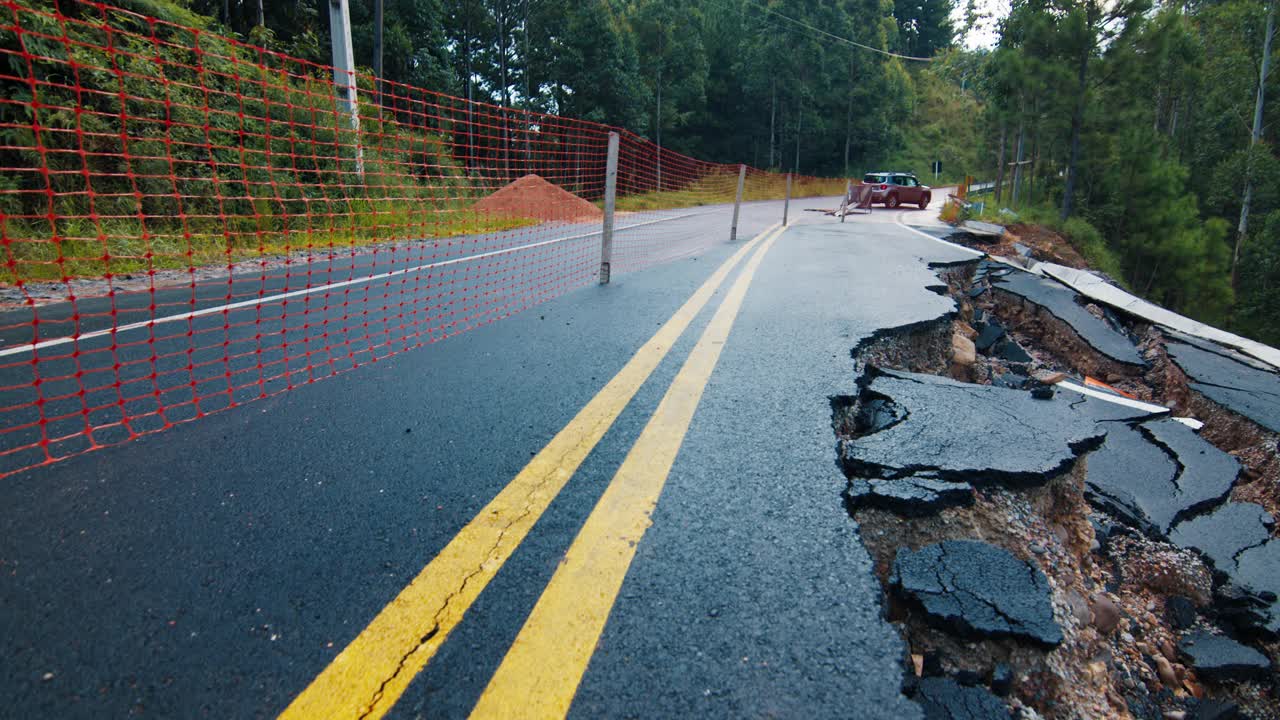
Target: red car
897 188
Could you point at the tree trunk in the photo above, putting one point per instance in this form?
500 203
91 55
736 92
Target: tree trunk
773 115
1000 161
658 119
658 130
377 50
506 89
528 95
1017 164
848 118
1243 228
1077 124
1035 163
262 17
471 129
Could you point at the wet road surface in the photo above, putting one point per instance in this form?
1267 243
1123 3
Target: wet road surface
220 568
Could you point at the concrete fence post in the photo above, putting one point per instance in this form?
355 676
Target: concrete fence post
844 206
786 204
737 203
610 195
344 71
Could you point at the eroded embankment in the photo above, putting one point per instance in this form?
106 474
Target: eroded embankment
1052 554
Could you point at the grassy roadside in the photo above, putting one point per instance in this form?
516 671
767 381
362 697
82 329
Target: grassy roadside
87 249
715 189
1084 237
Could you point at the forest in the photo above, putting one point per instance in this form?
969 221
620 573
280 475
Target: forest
1140 130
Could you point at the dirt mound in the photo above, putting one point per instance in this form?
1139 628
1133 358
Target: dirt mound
533 197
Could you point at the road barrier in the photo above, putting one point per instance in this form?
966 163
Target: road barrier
190 223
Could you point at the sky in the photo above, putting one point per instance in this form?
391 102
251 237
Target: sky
985 34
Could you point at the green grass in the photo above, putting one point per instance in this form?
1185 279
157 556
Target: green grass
715 189
1084 237
126 247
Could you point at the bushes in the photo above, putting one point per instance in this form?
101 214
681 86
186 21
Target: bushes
1086 239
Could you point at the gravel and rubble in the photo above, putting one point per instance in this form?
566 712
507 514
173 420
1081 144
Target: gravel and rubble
1145 531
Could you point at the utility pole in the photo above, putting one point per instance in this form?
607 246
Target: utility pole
1256 135
799 130
344 72
377 50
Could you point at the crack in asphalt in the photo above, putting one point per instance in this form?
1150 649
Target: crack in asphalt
491 554
1179 468
1235 557
1233 388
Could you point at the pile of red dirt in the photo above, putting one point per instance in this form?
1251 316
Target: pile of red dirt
533 197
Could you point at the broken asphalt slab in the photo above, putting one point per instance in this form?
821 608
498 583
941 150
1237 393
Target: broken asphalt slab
1240 387
946 699
1222 535
1157 473
1218 657
910 496
1236 539
1063 303
978 590
957 431
1258 573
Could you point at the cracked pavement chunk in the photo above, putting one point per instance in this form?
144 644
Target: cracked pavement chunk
1240 387
946 699
1062 302
1132 479
1258 572
911 496
990 333
1155 474
974 433
1225 533
978 589
1218 657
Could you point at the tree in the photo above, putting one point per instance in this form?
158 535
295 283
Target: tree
924 26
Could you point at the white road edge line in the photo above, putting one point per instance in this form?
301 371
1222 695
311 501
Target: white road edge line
898 219
53 342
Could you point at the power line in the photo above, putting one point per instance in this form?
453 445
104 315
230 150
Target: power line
833 36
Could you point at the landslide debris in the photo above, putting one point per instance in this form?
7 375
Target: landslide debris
971 433
912 496
1229 379
1217 657
1063 303
1221 535
1153 474
1138 523
978 589
944 699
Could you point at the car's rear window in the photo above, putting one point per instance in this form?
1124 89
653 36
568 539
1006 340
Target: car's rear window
873 179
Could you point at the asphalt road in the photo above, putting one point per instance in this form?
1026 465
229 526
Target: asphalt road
216 569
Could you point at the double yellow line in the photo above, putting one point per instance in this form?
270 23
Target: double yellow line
541 672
